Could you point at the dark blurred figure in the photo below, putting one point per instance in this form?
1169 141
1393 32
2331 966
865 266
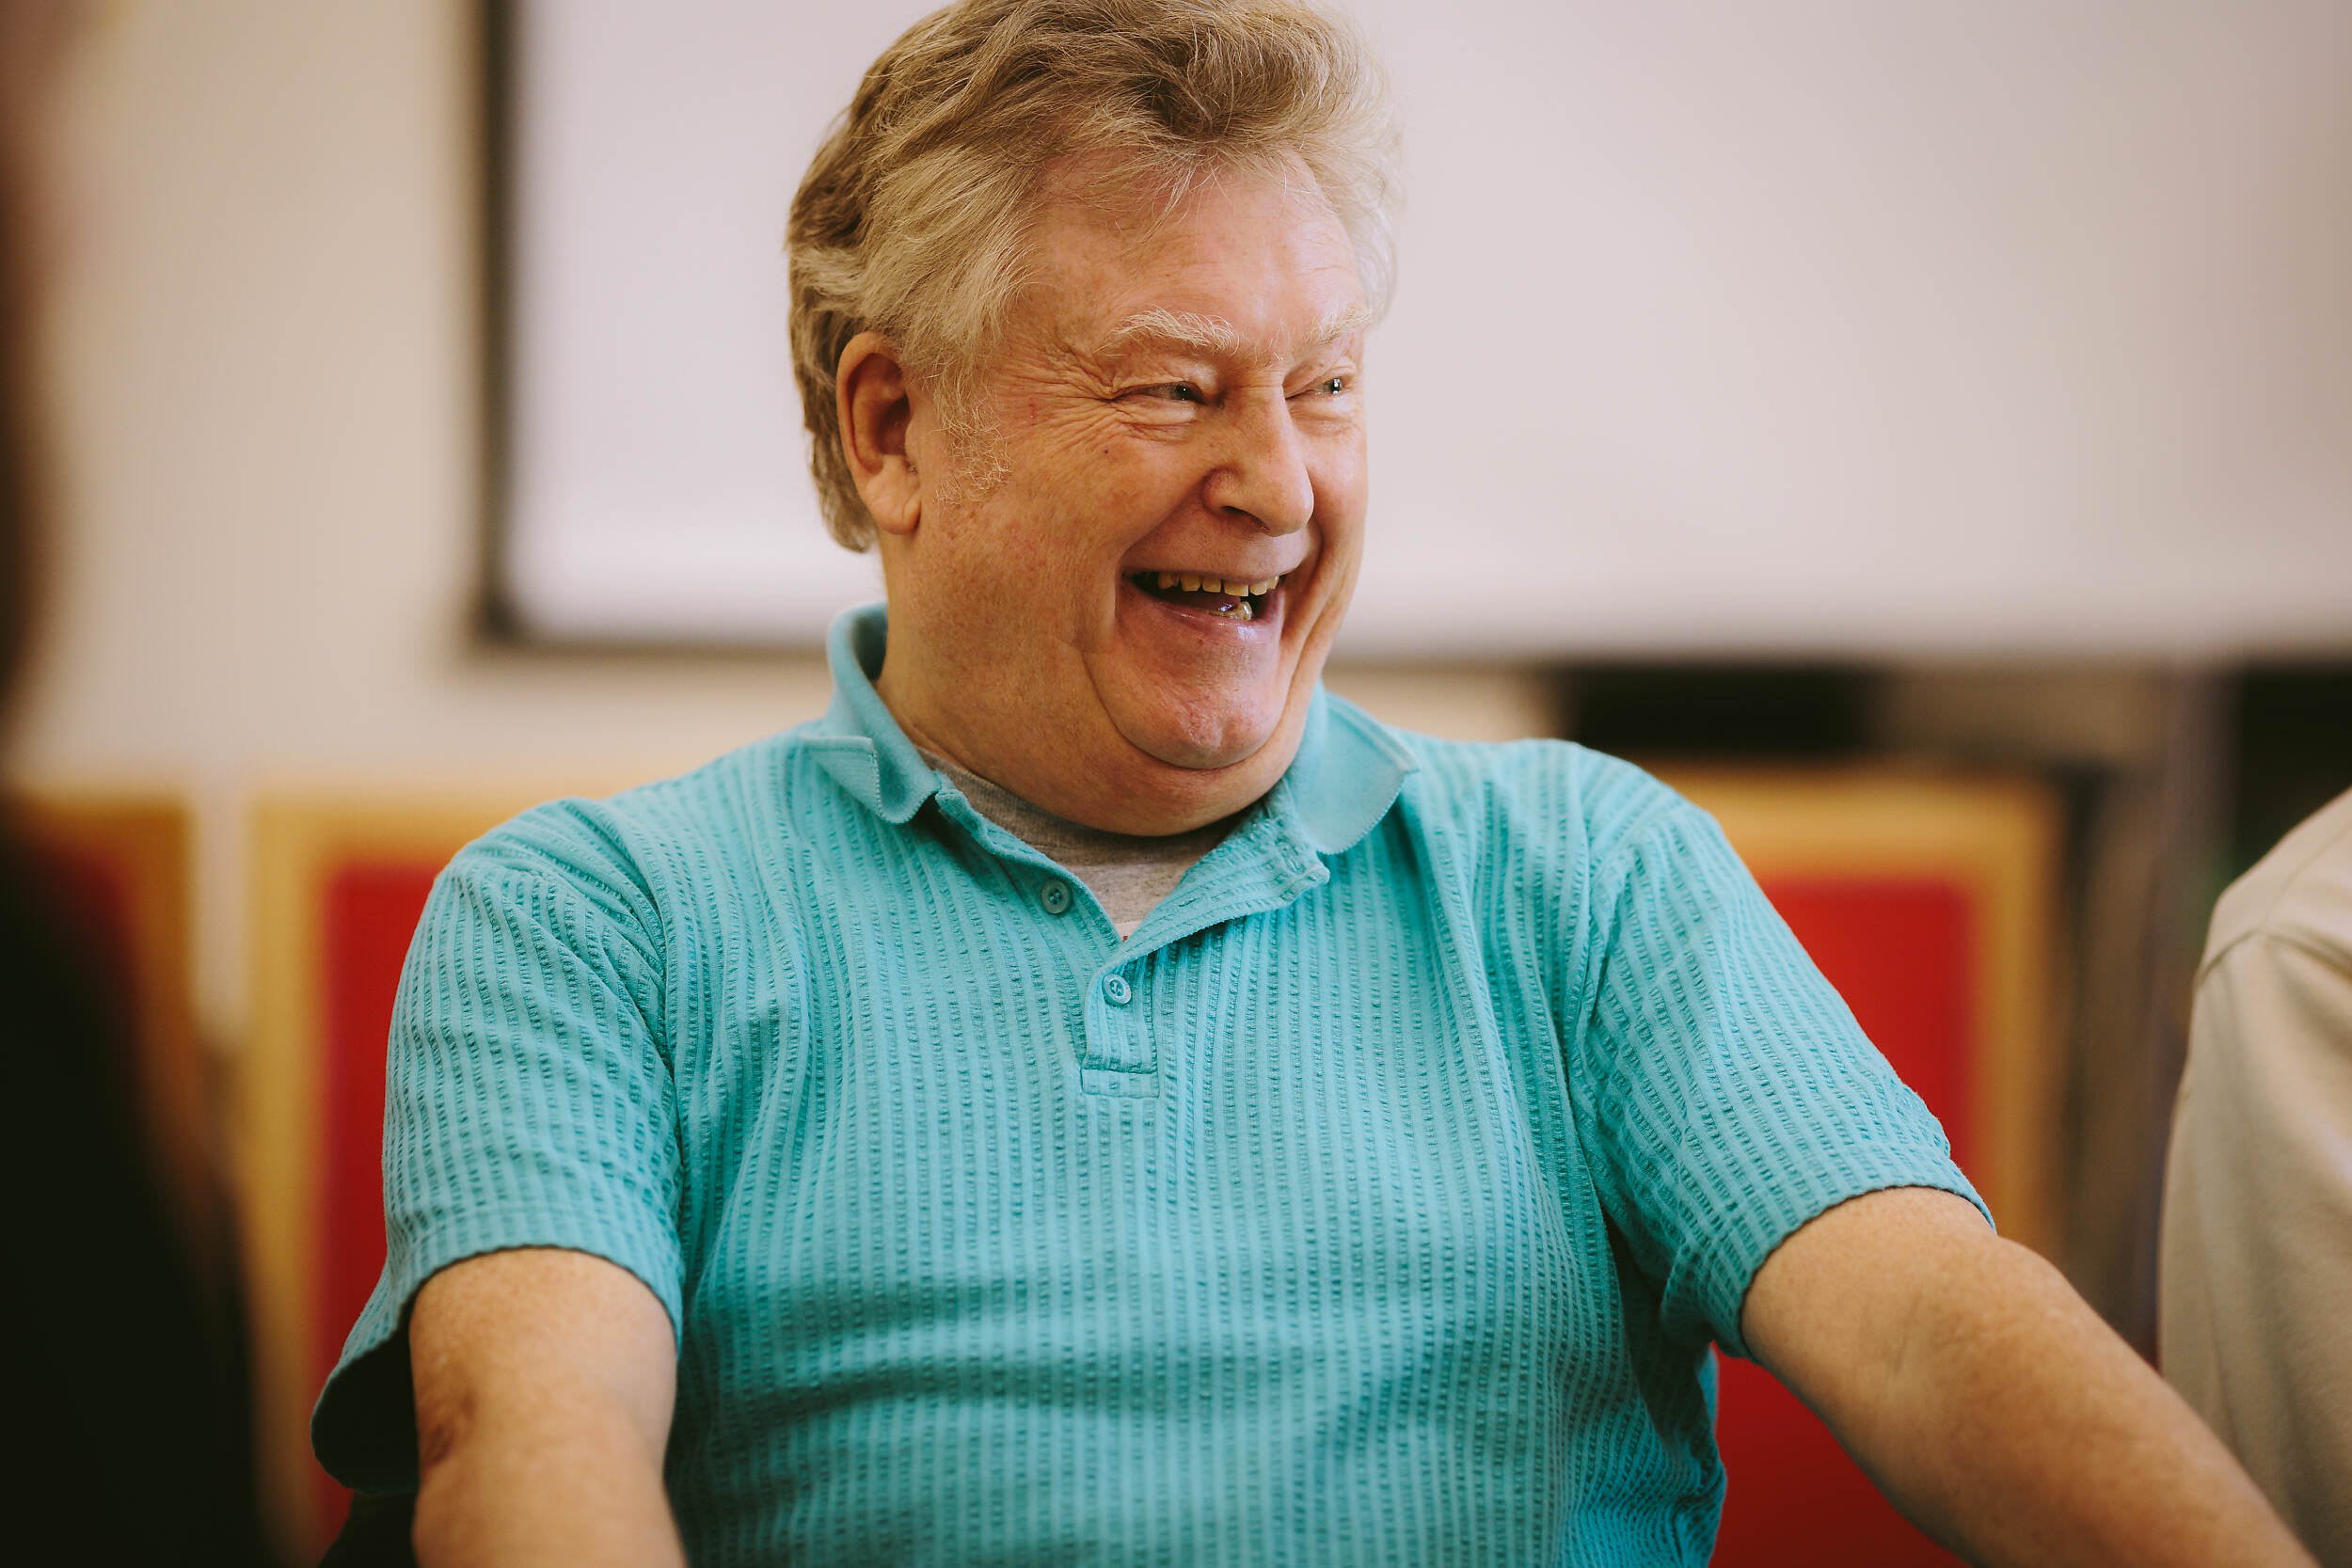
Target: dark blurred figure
128 1395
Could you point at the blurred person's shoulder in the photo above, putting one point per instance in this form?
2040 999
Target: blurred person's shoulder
2300 892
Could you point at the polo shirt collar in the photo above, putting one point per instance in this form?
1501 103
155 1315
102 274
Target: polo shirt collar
1348 771
859 741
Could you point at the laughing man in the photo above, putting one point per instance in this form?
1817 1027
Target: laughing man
1094 1096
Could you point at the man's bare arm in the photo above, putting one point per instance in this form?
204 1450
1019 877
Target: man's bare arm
1989 1402
544 1384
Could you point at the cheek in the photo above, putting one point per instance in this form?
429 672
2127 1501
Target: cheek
1096 494
1344 472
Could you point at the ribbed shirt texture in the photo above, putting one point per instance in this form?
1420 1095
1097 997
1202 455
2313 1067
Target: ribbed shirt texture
1376 1201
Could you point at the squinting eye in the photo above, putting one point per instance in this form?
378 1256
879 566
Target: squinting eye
1164 391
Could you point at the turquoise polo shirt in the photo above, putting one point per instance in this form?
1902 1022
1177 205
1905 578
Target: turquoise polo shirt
1376 1201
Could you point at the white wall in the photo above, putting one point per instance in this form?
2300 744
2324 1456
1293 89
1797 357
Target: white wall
1936 328
268 421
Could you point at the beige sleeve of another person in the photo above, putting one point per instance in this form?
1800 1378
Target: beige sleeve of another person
2256 1307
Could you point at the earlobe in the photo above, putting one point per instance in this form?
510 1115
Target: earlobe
875 412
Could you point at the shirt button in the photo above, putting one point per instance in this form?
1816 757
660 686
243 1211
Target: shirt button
1055 897
1117 992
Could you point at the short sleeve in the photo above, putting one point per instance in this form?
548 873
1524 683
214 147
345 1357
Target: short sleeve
1731 1095
528 1102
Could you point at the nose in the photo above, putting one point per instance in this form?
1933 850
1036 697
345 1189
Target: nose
1262 472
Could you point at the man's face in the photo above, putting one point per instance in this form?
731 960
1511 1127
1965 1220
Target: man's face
1177 398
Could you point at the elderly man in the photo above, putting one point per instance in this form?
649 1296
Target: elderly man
1093 1097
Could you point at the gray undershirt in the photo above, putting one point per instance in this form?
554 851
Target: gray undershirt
1130 873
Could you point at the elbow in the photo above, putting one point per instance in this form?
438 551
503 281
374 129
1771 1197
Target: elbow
445 1434
445 1425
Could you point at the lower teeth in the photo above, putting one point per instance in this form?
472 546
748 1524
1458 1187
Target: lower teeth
1239 609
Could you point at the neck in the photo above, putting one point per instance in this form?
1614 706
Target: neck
1126 791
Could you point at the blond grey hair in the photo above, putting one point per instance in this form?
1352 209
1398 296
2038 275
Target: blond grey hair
914 216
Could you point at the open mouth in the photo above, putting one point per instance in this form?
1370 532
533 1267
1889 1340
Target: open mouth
1226 598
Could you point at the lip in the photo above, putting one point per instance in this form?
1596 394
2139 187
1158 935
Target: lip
1265 626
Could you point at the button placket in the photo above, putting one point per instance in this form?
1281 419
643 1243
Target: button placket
1119 1055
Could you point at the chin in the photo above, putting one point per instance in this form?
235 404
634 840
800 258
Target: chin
1203 738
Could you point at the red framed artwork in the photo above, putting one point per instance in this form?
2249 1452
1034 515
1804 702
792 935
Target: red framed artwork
1928 901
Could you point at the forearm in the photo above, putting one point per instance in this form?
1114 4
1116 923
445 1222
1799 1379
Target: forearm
2018 1429
566 1493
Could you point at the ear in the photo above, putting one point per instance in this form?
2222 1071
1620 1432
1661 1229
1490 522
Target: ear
875 411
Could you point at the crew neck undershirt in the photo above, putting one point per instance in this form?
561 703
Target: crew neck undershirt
1129 872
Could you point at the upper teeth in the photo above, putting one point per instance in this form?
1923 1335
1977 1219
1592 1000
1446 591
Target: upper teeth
1192 584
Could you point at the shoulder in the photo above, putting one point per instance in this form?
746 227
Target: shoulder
626 854
1524 795
2301 893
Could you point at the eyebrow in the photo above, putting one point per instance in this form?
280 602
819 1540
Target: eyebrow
1212 335
1175 329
